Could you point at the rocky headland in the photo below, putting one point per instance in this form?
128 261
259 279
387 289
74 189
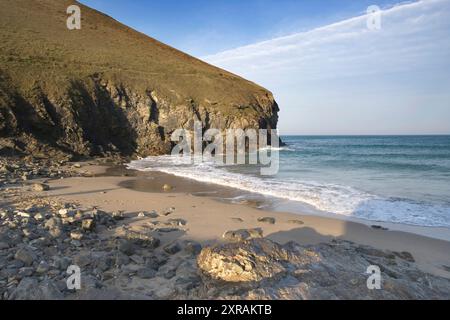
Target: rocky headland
107 89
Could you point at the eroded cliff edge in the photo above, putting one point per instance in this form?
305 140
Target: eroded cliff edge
107 88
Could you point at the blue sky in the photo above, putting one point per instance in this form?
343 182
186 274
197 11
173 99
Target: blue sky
328 71
202 27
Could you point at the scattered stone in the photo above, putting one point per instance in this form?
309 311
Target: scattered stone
76 235
155 262
237 220
167 230
152 214
376 227
172 248
268 220
39 217
39 187
42 268
142 239
25 255
193 248
54 226
118 215
125 247
137 259
297 222
88 224
168 211
177 222
63 213
3 246
146 273
31 289
82 260
243 234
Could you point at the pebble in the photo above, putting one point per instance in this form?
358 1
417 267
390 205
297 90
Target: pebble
4 245
193 247
243 234
125 247
26 256
376 227
298 222
172 248
42 268
168 211
268 220
23 214
146 273
118 215
88 224
152 214
177 222
39 187
76 235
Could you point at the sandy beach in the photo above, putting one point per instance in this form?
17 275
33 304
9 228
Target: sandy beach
119 189
153 236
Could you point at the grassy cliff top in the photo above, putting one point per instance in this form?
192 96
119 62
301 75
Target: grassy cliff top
36 48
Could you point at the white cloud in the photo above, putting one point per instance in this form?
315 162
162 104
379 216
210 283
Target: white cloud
414 40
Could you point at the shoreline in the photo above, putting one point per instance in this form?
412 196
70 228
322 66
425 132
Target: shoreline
117 188
226 194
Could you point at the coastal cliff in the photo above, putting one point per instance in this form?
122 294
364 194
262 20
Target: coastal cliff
107 89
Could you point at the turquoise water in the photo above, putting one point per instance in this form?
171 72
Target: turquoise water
400 179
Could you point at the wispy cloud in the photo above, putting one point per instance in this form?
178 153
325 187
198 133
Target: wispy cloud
414 39
411 33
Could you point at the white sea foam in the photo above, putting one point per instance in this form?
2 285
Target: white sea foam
330 198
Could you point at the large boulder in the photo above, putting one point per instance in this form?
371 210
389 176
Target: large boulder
243 262
261 269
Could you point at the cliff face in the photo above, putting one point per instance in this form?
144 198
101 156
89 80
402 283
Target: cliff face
107 88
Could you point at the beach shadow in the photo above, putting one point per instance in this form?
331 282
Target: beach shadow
59 188
303 235
81 192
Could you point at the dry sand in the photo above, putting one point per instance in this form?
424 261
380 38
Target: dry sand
208 219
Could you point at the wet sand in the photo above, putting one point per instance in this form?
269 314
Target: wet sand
116 188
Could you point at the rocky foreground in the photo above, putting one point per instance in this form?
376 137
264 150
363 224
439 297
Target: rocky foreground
41 237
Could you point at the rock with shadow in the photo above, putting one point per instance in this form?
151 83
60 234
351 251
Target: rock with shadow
262 269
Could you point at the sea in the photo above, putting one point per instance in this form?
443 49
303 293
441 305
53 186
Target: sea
395 179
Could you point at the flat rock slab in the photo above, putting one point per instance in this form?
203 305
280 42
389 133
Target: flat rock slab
261 269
